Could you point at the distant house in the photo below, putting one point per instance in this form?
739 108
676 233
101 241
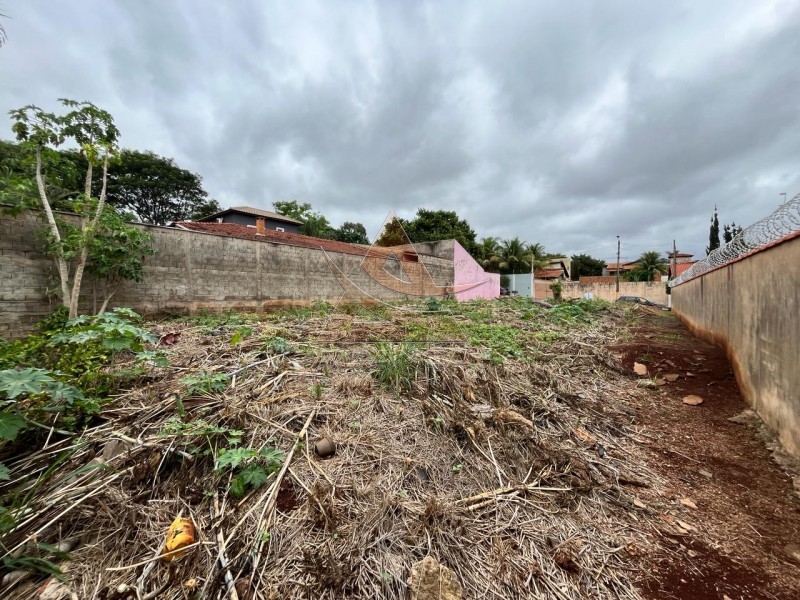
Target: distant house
611 268
683 262
558 267
249 216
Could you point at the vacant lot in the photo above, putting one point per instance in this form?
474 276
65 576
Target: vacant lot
511 442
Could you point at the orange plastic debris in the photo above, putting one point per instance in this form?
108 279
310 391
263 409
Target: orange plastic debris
181 534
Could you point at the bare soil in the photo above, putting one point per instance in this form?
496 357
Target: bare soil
741 536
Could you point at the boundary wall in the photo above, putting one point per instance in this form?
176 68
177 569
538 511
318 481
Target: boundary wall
751 307
194 270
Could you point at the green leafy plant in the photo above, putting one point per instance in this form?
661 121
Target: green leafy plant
17 385
433 304
40 564
250 468
198 428
242 332
278 345
116 331
205 383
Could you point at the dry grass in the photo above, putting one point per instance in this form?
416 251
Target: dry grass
518 473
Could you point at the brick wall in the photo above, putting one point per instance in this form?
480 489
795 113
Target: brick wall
193 270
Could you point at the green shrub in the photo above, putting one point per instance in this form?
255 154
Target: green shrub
396 365
60 369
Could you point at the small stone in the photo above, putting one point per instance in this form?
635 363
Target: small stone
689 503
746 417
659 381
705 474
692 400
640 369
690 374
433 581
671 377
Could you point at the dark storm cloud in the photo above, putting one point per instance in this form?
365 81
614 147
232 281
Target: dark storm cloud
564 124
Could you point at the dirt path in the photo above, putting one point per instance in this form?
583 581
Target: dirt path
737 533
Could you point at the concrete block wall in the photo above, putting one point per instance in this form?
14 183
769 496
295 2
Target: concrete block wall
192 271
655 291
751 307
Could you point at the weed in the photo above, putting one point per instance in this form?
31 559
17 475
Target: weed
250 468
501 340
278 345
205 383
433 305
316 391
396 365
242 332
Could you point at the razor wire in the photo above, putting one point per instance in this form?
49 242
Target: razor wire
781 223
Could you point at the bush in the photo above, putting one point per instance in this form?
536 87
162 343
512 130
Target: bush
60 368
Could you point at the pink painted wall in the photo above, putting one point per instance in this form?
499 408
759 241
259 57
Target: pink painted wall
470 280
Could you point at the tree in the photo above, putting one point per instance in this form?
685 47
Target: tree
649 265
392 234
94 131
435 225
515 256
538 258
314 223
730 231
713 233
586 266
3 37
205 208
116 252
354 233
155 188
487 253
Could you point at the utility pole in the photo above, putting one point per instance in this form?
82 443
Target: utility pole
674 259
784 197
618 264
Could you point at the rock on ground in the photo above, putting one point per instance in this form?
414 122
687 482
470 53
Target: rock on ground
433 581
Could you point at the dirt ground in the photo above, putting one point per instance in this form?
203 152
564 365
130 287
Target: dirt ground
736 535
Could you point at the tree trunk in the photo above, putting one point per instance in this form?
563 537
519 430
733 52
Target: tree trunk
88 232
63 270
107 300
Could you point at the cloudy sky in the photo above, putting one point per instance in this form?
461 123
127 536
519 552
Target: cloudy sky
567 123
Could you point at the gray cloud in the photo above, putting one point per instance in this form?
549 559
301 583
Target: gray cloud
564 124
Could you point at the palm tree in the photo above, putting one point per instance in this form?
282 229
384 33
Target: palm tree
514 256
3 37
537 257
649 265
488 251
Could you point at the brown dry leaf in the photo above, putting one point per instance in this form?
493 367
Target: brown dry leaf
688 502
692 400
638 503
640 369
671 377
585 435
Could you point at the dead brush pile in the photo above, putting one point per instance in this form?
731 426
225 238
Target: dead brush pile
492 437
